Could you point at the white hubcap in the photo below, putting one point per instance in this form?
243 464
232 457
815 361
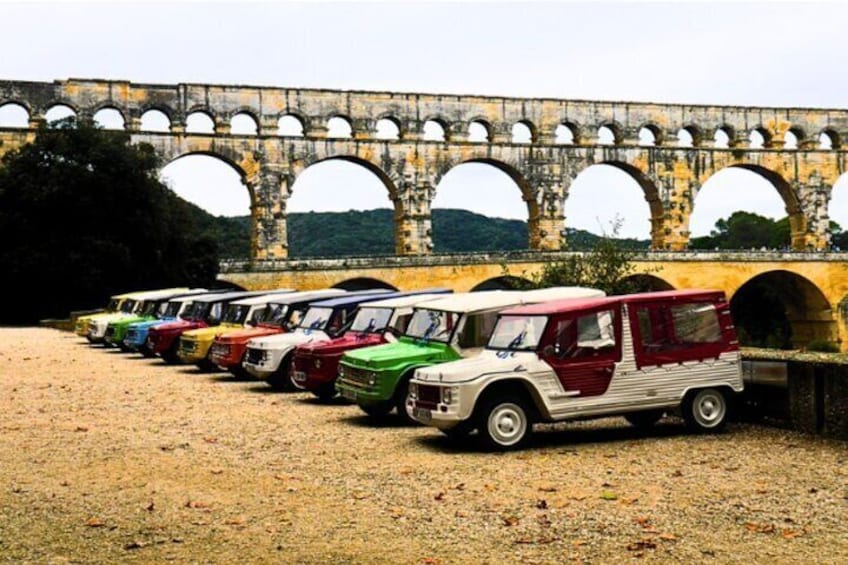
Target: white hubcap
507 424
709 410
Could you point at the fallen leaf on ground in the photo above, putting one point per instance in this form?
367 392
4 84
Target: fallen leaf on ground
95 523
759 528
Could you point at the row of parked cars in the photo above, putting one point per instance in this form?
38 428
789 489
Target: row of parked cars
491 363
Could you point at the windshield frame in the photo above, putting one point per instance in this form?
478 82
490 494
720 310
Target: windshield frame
540 333
375 330
310 326
460 317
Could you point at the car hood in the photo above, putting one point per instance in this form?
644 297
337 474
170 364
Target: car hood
177 325
288 340
391 353
337 346
243 335
149 324
487 363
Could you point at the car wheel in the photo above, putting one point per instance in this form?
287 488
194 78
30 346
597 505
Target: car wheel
645 418
504 423
705 410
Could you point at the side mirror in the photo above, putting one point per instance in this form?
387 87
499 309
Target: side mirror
548 351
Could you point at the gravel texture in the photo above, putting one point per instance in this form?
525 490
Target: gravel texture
107 457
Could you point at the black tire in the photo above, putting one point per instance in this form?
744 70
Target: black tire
705 410
206 365
281 378
170 356
146 351
504 422
377 411
401 393
645 418
326 392
459 432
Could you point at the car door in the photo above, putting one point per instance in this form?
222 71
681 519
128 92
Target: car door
583 350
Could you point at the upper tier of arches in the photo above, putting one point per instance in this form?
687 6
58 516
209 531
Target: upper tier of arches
245 110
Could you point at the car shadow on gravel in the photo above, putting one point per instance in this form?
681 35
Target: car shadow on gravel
229 378
559 438
315 401
389 421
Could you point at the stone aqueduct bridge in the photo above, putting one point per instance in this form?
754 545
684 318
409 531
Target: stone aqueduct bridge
411 167
812 284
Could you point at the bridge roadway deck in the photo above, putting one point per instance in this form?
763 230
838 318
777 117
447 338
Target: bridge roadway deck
812 286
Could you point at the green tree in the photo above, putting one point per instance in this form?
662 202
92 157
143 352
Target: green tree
744 230
607 266
83 216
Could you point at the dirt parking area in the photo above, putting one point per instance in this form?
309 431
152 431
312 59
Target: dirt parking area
107 457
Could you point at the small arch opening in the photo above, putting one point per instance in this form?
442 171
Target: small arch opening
290 126
434 131
606 136
522 133
388 128
828 140
565 134
155 120
339 128
57 113
478 131
790 140
722 137
200 122
758 138
13 115
109 118
685 139
647 137
243 124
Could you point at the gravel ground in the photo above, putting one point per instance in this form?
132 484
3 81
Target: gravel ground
108 457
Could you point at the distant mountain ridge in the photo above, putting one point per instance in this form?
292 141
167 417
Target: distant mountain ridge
371 232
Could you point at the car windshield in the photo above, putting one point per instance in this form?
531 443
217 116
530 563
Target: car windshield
199 310
518 333
236 313
113 305
149 308
436 325
274 314
171 310
316 318
128 306
371 320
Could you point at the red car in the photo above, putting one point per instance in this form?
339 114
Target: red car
315 365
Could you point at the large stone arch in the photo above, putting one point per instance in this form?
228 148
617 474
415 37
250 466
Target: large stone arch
798 218
649 186
401 196
262 227
809 315
529 192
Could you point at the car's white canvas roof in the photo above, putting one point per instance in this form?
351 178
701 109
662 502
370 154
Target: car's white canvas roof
309 295
403 301
493 299
272 296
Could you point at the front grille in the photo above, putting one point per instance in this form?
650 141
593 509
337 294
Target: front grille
220 350
356 375
187 345
429 396
302 363
110 332
255 356
132 336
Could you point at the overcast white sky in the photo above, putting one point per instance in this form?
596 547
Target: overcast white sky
762 53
